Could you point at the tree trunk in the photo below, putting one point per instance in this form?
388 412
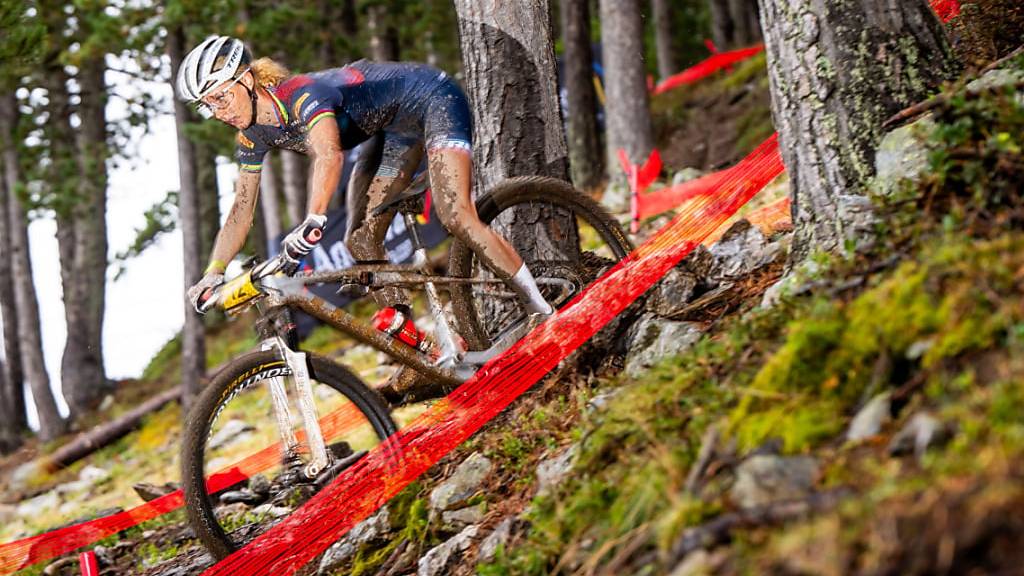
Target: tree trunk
193 349
662 10
350 29
10 436
734 23
51 425
83 378
511 81
294 177
509 61
721 23
745 32
584 139
627 109
77 182
207 195
837 70
13 422
270 200
382 40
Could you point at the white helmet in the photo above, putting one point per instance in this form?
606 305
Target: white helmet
197 77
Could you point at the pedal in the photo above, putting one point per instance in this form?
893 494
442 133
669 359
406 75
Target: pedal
354 290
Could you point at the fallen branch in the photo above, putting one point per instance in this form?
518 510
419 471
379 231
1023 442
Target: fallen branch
720 529
103 434
936 101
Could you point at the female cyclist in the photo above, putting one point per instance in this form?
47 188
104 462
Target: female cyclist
415 107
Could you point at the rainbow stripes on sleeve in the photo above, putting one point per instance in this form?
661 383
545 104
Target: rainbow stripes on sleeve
318 117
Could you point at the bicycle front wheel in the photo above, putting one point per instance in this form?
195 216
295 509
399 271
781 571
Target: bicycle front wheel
565 238
237 478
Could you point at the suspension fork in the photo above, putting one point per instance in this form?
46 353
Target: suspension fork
451 352
284 340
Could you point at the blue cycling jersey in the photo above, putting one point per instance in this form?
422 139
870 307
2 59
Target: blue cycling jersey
401 99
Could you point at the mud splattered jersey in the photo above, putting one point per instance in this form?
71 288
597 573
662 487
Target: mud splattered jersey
363 98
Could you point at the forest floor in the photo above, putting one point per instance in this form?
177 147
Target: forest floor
735 456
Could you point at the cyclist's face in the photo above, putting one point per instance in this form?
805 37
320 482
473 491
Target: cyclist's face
229 104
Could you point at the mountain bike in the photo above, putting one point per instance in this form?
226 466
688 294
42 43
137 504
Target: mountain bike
247 407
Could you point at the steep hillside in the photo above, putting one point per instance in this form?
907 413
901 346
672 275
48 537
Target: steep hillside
861 416
864 419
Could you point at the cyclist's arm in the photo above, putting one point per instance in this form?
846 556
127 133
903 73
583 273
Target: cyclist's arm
232 235
327 158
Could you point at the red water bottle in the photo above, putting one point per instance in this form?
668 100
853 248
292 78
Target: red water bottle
395 324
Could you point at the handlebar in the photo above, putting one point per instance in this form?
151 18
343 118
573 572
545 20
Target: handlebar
283 262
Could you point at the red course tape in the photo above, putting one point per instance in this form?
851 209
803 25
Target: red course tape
87 562
360 490
707 67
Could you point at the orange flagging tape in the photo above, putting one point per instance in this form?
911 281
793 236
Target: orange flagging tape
389 468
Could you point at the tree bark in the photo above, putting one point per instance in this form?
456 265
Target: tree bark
627 109
837 70
51 425
511 82
584 141
743 14
350 30
77 182
382 35
13 421
270 200
83 378
294 178
721 23
207 195
662 10
193 349
509 60
734 23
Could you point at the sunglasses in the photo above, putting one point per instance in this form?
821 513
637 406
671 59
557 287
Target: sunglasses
222 99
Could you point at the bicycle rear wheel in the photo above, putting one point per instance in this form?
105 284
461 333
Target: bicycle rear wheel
237 480
566 239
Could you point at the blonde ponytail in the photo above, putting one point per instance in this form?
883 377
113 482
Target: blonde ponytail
269 72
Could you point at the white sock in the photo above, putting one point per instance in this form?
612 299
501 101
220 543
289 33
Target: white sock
526 287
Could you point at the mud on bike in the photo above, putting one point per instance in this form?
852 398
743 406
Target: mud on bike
248 406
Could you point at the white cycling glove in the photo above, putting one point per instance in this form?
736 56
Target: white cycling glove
209 281
300 241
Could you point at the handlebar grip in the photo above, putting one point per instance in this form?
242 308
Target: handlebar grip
311 236
207 300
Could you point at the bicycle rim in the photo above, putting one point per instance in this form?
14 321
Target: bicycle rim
237 478
566 239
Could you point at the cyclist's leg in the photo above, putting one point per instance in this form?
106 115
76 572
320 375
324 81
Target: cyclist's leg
449 158
365 238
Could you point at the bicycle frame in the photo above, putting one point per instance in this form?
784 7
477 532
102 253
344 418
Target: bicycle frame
281 293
